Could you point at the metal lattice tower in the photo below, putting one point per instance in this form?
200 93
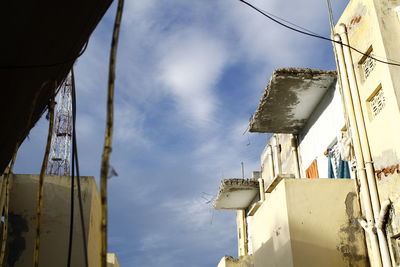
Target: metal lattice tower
60 153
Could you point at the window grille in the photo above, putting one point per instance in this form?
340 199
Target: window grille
368 65
377 102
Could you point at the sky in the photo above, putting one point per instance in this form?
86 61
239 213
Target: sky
189 76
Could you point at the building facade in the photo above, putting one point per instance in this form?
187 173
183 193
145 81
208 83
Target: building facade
341 125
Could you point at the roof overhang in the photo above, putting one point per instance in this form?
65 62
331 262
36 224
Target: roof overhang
236 194
47 33
290 98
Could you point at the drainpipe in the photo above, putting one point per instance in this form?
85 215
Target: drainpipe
382 214
364 143
296 155
257 175
365 196
271 162
381 234
261 188
242 232
277 156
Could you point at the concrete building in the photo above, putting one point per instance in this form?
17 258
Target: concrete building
43 42
55 223
342 126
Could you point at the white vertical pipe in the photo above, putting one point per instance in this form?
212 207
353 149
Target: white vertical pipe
295 154
373 190
277 156
242 232
261 188
271 162
365 196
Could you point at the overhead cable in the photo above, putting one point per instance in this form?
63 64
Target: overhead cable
309 33
75 164
78 177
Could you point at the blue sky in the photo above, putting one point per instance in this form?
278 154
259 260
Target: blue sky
189 76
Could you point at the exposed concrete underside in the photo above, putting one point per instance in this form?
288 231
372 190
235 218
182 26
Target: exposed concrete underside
289 99
38 33
236 193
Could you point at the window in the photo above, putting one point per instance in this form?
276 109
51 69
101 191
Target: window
367 64
376 102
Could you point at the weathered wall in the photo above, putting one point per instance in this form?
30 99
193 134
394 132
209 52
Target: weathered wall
309 223
55 222
374 25
323 223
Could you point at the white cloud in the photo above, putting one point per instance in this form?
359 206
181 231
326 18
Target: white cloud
191 65
128 125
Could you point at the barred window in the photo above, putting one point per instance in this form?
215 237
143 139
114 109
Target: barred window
368 65
377 102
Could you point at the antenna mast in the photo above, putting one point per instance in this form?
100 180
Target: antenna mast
60 154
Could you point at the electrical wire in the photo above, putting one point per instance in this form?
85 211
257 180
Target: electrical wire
109 132
76 162
288 22
308 33
47 65
72 199
41 179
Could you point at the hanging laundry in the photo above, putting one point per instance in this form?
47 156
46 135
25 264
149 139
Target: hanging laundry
312 170
343 170
331 172
345 147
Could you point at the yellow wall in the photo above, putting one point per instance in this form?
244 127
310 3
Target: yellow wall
55 222
309 222
112 260
269 248
375 23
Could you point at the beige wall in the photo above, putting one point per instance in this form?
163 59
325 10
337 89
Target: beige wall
228 261
242 237
269 248
55 222
112 260
309 222
375 23
286 156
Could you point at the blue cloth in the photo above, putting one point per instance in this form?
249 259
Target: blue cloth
343 171
331 173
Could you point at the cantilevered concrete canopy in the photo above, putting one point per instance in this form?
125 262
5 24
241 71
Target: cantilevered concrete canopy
39 41
289 99
236 193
